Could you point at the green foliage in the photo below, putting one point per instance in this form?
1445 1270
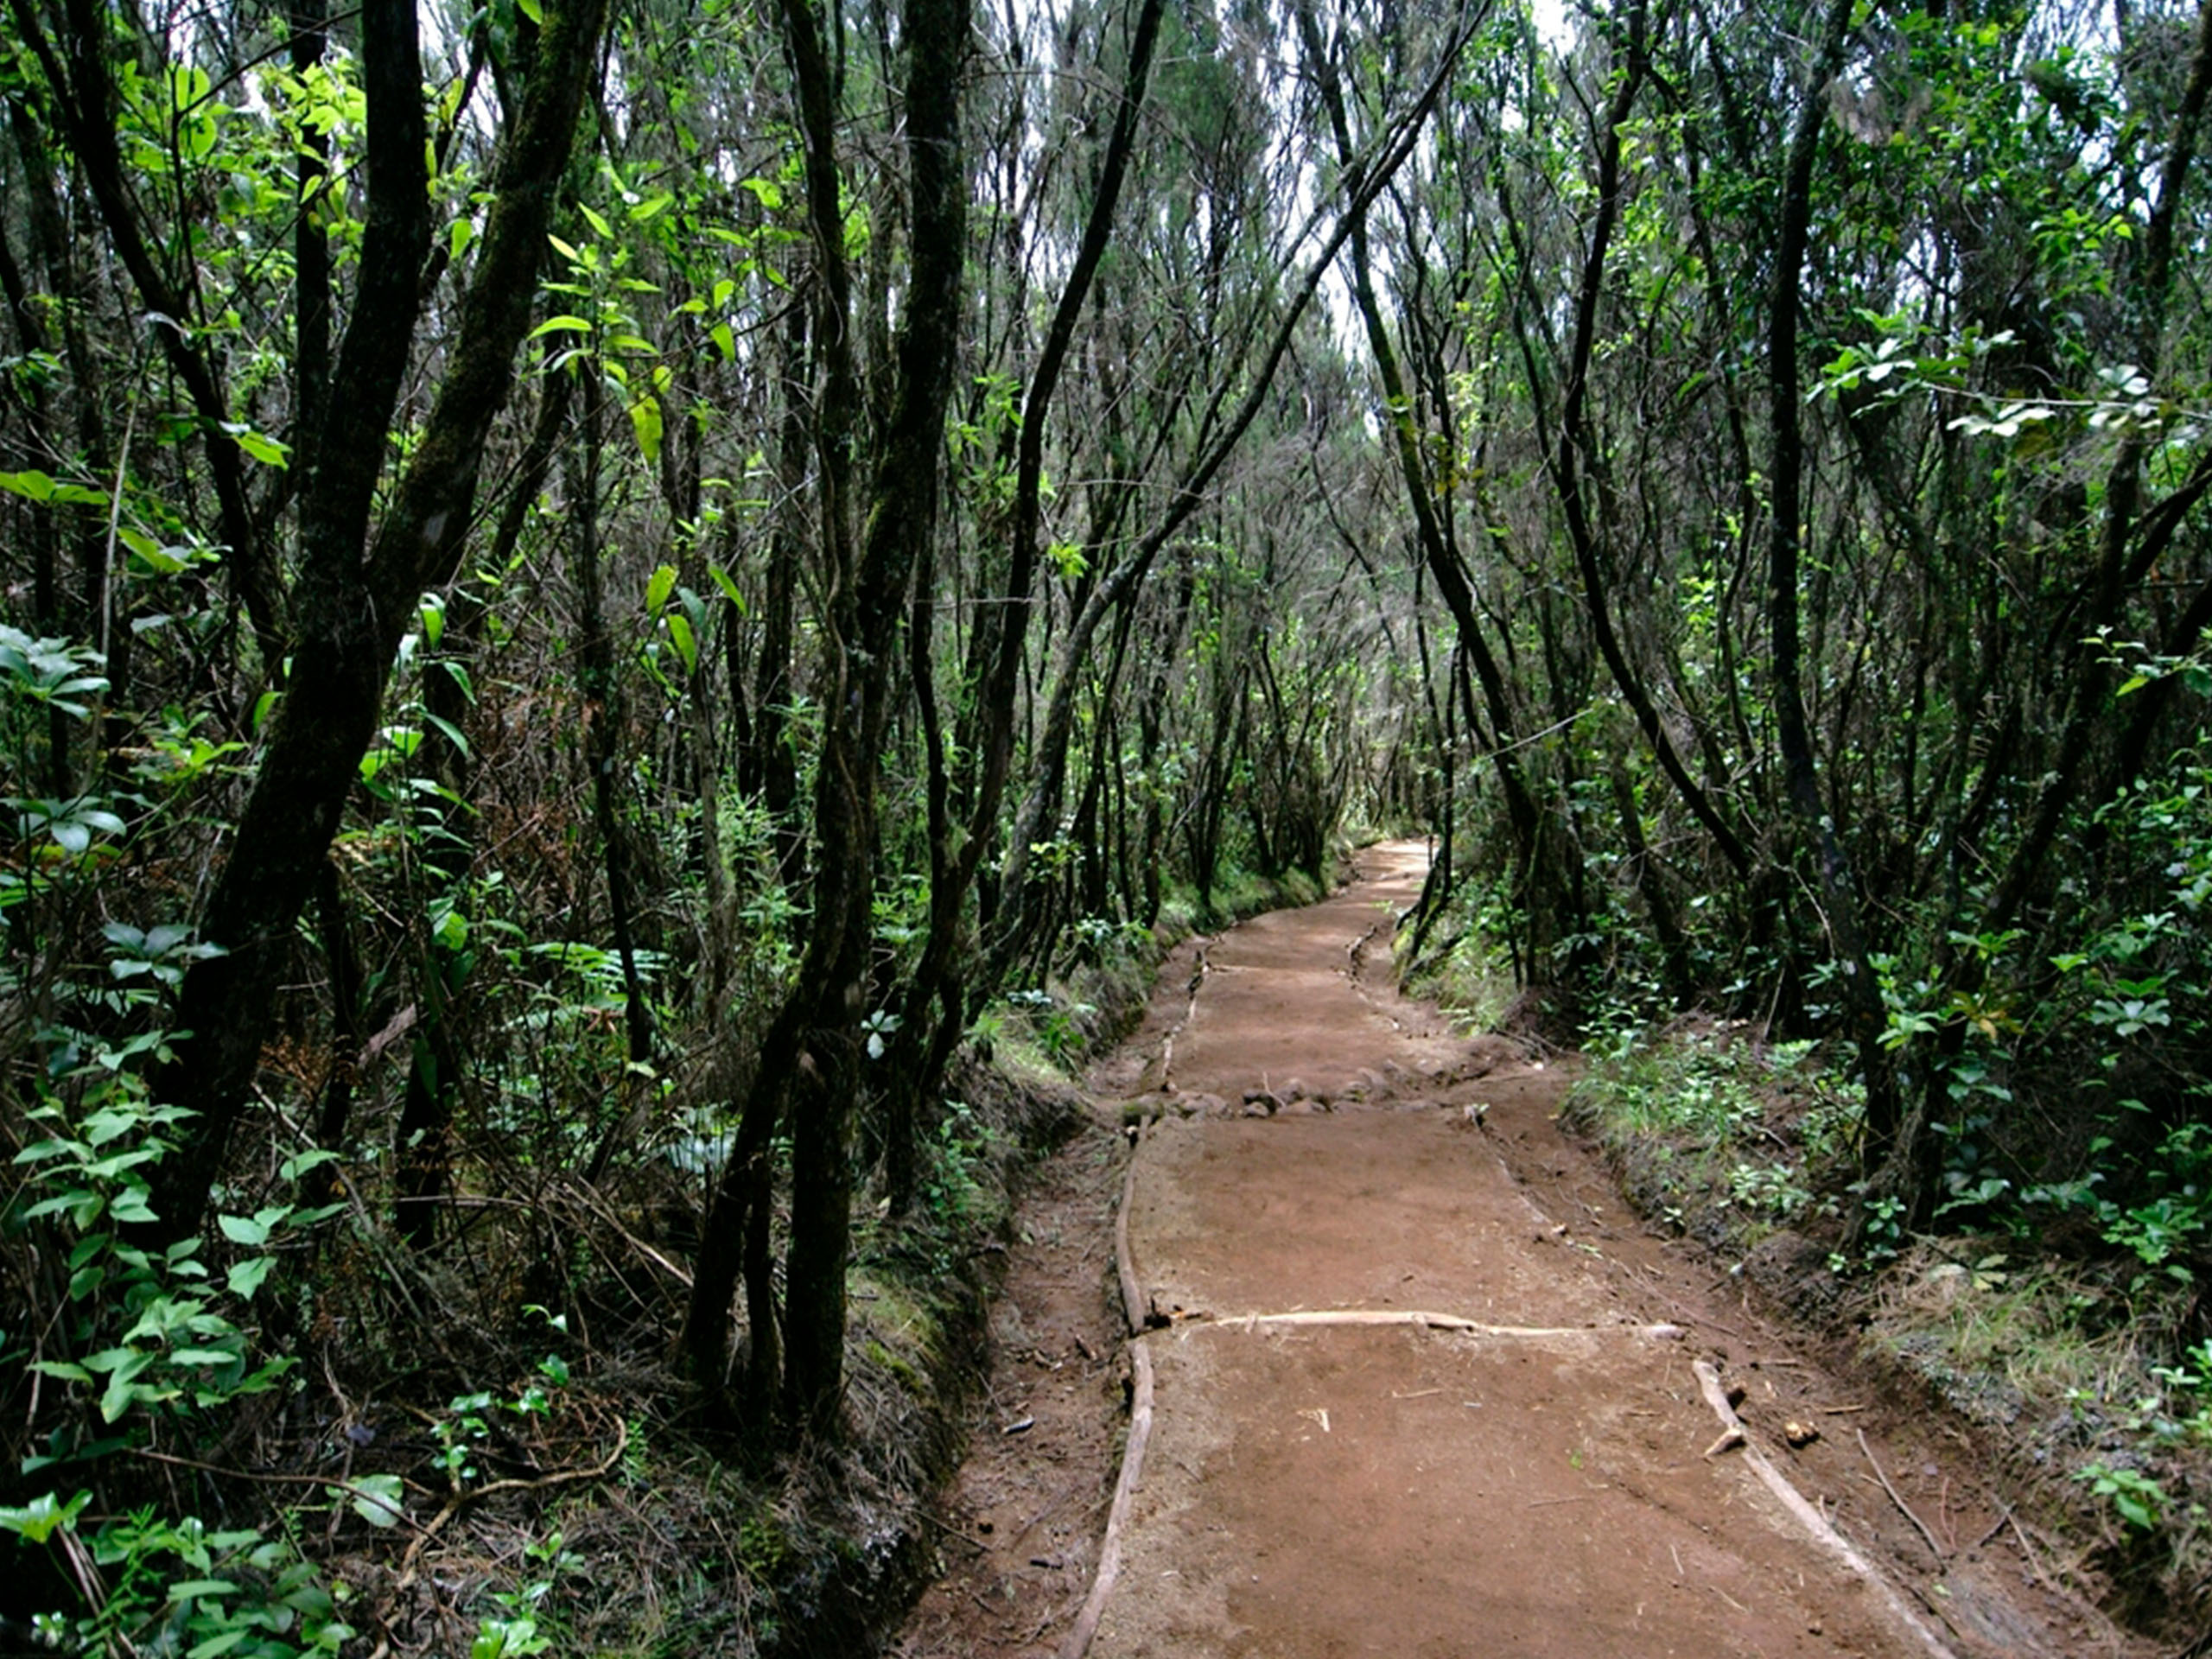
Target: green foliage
524 1624
151 1334
960 1196
1054 1023
148 1329
1716 1135
181 1587
2137 1500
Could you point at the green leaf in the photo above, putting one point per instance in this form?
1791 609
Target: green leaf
130 1207
121 1392
605 231
687 646
531 9
294 1167
661 584
563 324
245 1277
645 417
451 733
263 447
380 1500
39 1519
723 581
240 1230
191 1589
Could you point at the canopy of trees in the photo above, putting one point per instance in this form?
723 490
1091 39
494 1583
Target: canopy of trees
589 588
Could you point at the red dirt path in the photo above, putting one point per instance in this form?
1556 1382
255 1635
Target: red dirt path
1541 1487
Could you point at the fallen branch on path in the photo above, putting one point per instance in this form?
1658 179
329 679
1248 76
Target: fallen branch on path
1391 1316
1125 1261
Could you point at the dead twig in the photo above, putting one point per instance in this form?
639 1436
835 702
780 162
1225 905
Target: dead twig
953 1532
462 1500
332 1482
588 1198
1897 1498
2028 1549
1110 1547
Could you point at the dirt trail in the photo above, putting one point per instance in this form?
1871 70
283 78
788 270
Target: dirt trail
1511 1452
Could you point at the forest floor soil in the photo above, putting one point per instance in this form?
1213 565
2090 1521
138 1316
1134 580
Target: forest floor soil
1507 1449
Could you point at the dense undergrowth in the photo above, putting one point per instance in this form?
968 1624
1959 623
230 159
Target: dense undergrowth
320 1439
313 1439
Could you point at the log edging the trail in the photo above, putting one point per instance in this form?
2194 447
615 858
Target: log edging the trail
1125 1261
1392 1316
1109 1547
1817 1525
1134 1312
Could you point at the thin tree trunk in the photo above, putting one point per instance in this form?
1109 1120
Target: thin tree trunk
1050 749
922 1045
810 1059
310 254
1576 446
1865 1021
85 98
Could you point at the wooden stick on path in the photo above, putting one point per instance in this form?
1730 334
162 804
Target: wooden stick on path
1897 1498
1439 1322
1125 1261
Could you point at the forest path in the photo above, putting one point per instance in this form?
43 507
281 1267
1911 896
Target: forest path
1507 1450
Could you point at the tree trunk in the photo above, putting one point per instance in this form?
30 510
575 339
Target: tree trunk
813 1057
1865 1021
350 611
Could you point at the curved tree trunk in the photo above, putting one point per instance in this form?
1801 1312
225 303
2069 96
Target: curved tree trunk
1839 889
352 610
